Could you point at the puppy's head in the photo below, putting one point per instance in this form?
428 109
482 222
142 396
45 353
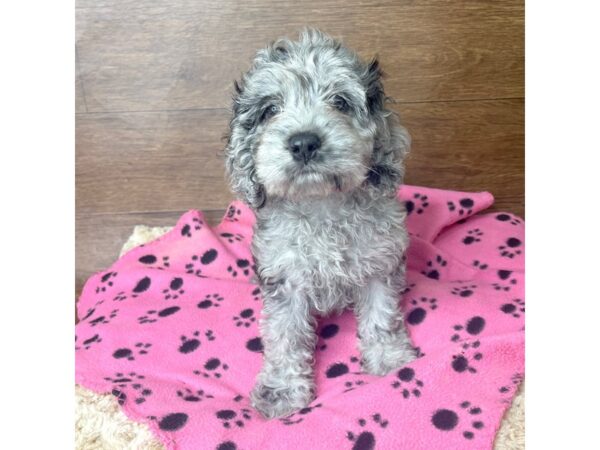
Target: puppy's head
309 118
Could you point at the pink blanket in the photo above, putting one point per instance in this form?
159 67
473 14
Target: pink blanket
171 330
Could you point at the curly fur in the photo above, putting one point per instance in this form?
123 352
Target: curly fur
330 233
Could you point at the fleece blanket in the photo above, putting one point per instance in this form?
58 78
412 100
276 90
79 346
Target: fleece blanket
171 331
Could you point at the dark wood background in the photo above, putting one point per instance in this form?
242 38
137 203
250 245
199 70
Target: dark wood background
154 81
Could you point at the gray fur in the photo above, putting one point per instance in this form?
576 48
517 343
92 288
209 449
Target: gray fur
330 233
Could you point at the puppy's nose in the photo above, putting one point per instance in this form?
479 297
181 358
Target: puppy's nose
304 146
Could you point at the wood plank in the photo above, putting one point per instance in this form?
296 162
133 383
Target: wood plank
183 55
168 161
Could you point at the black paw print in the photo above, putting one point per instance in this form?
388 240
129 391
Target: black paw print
191 396
338 369
232 214
174 290
153 315
464 291
462 362
515 380
351 385
195 267
515 309
188 345
407 288
327 332
101 320
171 422
229 417
86 344
447 419
419 312
231 238
465 206
433 267
243 265
294 418
418 205
479 265
152 259
210 300
256 294
91 311
245 318
132 379
106 282
408 383
214 368
472 236
504 275
503 217
255 345
120 297
141 286
474 326
365 440
196 224
510 249
141 348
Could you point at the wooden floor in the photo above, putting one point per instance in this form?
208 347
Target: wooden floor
154 81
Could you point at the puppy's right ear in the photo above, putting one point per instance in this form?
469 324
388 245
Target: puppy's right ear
239 160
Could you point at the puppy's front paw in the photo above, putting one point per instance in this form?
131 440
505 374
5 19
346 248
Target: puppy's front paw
383 356
282 400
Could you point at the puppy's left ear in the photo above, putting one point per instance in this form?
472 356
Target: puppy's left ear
392 141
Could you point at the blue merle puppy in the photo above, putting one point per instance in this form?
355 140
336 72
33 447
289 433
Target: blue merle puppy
315 153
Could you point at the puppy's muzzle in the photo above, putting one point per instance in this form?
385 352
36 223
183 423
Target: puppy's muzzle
304 146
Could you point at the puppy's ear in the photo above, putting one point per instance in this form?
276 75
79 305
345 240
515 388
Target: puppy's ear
392 141
239 159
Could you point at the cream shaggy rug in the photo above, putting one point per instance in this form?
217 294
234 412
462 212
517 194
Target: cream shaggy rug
101 425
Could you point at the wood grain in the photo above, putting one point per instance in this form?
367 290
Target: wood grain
182 55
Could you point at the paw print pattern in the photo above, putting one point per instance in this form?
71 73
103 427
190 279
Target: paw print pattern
174 290
515 380
462 362
91 310
472 236
102 320
106 282
153 315
504 275
256 294
243 265
503 217
233 214
294 418
150 260
511 248
448 420
213 367
188 345
327 332
351 385
464 207
419 312
479 265
195 267
418 205
244 318
141 286
89 342
473 327
193 396
339 368
210 301
171 422
255 345
433 267
196 225
408 383
229 417
120 297
231 238
364 439
141 348
515 308
408 288
132 379
464 291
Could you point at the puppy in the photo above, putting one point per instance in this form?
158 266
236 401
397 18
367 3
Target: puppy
314 152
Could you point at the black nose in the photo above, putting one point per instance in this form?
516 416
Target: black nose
304 146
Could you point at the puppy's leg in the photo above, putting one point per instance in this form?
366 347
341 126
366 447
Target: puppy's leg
384 342
285 383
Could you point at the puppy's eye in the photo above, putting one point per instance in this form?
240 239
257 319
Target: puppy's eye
269 112
340 103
